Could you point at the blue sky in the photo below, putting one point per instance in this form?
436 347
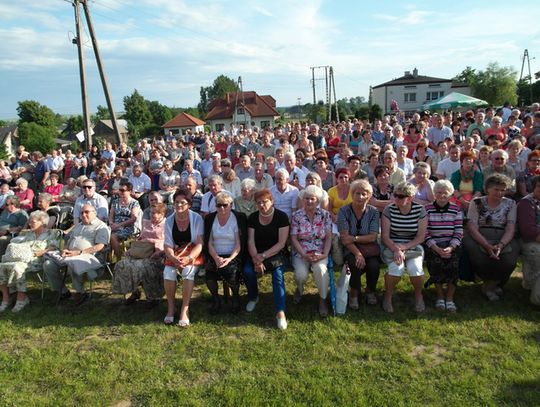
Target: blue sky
168 49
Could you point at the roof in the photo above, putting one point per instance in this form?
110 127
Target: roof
183 120
411 79
4 131
109 124
256 105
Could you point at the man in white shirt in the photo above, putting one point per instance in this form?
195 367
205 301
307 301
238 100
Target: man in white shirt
90 197
297 177
262 179
285 195
142 184
215 186
449 165
438 132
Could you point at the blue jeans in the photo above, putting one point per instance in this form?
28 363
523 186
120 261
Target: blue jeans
278 284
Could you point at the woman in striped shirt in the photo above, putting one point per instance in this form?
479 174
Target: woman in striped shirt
443 242
403 230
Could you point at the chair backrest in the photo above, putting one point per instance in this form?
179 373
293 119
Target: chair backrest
64 219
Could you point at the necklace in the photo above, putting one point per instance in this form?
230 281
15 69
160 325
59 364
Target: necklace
266 217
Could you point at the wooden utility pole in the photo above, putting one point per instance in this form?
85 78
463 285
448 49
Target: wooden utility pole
333 90
82 73
313 84
100 67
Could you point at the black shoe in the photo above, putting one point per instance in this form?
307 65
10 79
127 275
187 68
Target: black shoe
235 309
79 298
132 299
65 296
216 306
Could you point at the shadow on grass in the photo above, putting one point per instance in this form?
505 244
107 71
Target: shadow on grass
105 309
520 393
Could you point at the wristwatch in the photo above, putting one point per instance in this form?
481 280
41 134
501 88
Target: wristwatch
263 255
356 239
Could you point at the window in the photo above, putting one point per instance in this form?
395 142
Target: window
410 86
220 126
436 85
409 97
434 95
441 94
240 110
265 123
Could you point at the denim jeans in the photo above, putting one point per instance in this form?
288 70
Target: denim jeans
278 284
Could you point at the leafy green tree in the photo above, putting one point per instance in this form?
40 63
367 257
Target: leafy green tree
102 113
160 113
221 86
3 123
74 124
375 112
30 111
37 138
137 113
4 153
496 84
524 92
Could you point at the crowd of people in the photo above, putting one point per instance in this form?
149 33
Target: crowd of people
453 193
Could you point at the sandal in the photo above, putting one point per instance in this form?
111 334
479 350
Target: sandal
353 303
19 305
387 306
183 323
451 306
440 304
168 320
371 299
420 306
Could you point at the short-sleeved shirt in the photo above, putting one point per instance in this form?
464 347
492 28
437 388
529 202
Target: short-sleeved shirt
311 233
404 227
14 219
337 202
286 200
368 223
481 214
267 236
224 237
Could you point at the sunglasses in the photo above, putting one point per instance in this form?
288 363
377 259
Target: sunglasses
123 190
222 205
400 196
87 186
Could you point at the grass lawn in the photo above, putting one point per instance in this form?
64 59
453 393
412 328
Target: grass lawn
107 354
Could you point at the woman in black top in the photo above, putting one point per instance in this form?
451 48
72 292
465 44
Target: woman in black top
268 230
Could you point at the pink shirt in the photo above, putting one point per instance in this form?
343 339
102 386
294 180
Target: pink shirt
153 233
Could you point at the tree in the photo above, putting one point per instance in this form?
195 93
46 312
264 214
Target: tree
102 113
30 111
496 84
3 123
524 92
74 124
137 113
37 138
375 112
221 86
160 113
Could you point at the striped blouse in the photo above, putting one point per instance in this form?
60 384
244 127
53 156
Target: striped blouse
445 225
404 227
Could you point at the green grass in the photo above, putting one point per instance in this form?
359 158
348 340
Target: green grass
104 353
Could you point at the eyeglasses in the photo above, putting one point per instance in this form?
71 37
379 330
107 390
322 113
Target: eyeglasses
88 211
262 202
123 190
222 205
87 186
400 196
181 203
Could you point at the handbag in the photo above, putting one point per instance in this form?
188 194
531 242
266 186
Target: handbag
369 249
140 249
342 288
22 252
184 250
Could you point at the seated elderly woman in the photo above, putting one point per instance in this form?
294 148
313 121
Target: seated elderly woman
70 191
489 240
245 203
143 263
443 244
467 181
358 225
404 224
424 186
499 165
25 194
225 235
122 217
528 215
311 238
27 256
382 191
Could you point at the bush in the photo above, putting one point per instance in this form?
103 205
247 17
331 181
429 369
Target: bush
37 138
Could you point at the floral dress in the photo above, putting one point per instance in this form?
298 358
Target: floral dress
311 234
123 213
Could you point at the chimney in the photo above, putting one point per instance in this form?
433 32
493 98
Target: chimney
407 73
415 73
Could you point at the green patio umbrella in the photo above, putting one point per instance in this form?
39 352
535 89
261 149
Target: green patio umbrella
453 100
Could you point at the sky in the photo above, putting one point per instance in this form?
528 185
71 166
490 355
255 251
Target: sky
168 49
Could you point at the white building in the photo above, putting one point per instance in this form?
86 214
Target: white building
181 123
246 108
411 91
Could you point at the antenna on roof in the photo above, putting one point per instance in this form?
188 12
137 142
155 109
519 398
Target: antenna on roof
241 88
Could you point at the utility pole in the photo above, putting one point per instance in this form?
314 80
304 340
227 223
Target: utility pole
78 41
82 74
313 84
100 68
333 90
526 56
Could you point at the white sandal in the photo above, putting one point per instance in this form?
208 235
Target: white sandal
440 304
19 305
451 306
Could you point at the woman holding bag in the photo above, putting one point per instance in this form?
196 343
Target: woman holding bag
225 234
143 263
184 231
404 225
358 225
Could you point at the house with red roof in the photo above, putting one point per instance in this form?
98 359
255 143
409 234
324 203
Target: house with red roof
181 123
242 108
